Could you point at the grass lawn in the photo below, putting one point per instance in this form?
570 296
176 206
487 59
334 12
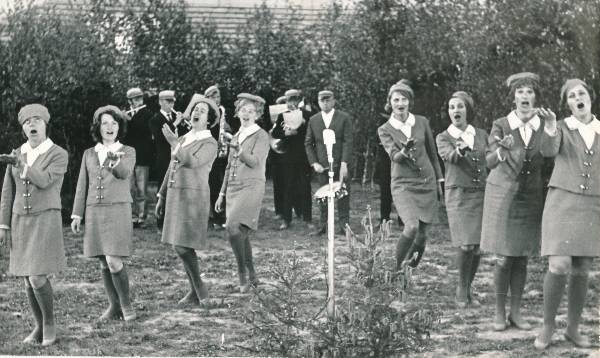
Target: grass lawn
163 328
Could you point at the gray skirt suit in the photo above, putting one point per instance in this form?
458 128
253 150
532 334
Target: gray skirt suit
413 183
104 198
187 194
31 208
464 186
245 181
571 219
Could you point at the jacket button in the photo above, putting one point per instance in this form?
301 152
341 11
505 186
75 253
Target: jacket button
583 187
101 197
478 170
99 178
97 197
587 164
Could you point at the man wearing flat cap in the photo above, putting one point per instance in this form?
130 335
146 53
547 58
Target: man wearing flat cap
139 137
290 129
174 120
341 123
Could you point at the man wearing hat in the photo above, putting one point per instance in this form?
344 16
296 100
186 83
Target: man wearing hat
139 137
294 169
341 123
219 131
166 115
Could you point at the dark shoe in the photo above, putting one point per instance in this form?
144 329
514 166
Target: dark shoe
319 232
189 298
519 324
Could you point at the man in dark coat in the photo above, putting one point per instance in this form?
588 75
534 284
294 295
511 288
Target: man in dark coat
290 130
341 123
175 121
139 137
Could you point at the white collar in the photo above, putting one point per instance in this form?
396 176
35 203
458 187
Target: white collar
397 124
34 153
456 133
245 132
573 123
515 122
328 115
166 114
192 136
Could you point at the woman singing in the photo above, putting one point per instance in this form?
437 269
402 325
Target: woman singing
244 184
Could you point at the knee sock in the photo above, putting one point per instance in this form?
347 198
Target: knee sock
45 299
114 308
554 286
121 282
402 246
578 285
464 261
501 280
190 263
249 260
237 245
474 267
36 334
518 276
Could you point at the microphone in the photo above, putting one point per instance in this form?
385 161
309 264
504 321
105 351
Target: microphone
329 140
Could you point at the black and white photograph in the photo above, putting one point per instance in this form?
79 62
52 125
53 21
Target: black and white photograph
300 178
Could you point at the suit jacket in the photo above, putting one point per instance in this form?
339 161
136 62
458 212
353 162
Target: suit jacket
425 169
576 168
464 171
99 184
256 149
190 166
522 169
295 152
316 151
139 136
39 190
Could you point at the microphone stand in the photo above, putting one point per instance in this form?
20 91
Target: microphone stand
329 139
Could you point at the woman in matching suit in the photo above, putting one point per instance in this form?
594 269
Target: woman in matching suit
184 196
103 197
572 212
415 172
463 147
244 185
30 218
513 203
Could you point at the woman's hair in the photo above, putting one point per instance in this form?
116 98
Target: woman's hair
243 101
569 84
212 115
116 114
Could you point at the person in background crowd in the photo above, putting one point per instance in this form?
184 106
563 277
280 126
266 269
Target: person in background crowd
177 124
415 173
274 161
572 209
463 148
244 185
341 123
220 130
139 137
103 195
295 170
184 196
30 217
513 203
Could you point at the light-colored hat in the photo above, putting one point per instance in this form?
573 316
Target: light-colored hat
168 94
402 86
293 93
198 98
522 78
134 92
33 110
569 84
325 94
251 97
211 90
113 110
281 100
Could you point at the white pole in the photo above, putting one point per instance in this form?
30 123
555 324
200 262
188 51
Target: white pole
329 139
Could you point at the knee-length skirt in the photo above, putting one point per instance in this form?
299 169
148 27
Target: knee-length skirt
108 230
186 217
415 202
37 244
465 211
243 202
512 221
571 224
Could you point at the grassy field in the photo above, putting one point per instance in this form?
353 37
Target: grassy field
166 329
